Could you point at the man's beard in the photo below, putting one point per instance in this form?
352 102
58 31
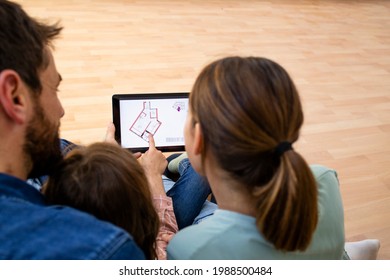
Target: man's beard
42 144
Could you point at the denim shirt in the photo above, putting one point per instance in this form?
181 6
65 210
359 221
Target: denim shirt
30 229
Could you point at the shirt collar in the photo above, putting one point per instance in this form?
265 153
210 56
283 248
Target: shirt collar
11 186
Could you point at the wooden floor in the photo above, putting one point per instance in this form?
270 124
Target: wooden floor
338 52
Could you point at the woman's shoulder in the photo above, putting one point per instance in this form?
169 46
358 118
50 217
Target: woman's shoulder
322 171
328 187
326 179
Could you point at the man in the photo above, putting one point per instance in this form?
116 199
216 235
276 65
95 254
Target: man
30 114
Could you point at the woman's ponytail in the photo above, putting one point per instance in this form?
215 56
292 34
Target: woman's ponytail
287 204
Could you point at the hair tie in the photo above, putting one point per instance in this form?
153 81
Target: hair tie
283 147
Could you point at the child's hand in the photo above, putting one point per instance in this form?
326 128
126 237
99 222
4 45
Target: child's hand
154 163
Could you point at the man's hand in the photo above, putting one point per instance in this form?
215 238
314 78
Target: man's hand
110 137
110 134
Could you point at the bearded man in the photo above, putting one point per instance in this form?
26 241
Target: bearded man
30 114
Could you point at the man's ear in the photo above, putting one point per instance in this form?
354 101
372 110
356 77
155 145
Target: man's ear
198 139
13 96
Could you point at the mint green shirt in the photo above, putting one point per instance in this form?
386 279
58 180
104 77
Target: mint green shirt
231 235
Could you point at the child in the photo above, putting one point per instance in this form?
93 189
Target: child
108 182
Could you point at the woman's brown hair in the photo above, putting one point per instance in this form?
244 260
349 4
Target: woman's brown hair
252 107
108 182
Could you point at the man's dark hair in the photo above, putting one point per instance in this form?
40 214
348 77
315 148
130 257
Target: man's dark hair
22 43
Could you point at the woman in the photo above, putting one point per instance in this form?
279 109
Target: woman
245 114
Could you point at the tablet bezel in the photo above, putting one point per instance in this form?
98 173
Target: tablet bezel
116 98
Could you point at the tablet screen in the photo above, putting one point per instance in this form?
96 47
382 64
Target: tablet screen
161 114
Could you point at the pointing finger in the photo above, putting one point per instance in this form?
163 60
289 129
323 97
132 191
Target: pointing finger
151 142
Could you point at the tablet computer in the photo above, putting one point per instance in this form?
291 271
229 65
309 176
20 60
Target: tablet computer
137 115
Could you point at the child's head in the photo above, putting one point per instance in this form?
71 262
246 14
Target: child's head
108 182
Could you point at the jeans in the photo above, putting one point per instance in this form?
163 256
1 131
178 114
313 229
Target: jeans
189 195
